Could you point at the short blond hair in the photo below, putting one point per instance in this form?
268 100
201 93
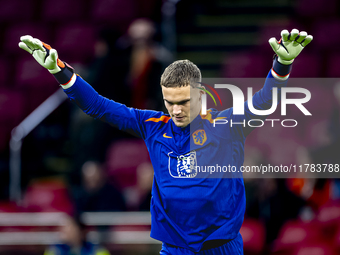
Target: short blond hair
181 73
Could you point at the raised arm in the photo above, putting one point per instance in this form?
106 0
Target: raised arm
80 92
286 50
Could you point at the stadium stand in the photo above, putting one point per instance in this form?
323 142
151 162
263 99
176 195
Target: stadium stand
123 159
253 234
220 37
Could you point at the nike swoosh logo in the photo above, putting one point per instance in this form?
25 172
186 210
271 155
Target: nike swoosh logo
164 135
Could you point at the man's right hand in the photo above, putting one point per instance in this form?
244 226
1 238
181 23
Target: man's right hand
48 58
42 52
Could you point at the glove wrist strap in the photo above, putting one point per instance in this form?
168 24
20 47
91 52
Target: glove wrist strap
280 69
65 75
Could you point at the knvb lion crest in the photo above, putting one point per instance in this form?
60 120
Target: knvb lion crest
186 165
183 166
199 137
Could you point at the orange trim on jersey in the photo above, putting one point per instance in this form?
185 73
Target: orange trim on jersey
164 119
209 118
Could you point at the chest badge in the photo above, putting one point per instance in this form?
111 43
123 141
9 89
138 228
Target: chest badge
199 137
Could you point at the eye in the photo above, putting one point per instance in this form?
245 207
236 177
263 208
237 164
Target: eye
168 103
185 103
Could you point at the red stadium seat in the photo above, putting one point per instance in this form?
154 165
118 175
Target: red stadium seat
9 207
47 196
329 213
35 81
315 249
336 241
123 158
253 234
75 42
32 75
295 234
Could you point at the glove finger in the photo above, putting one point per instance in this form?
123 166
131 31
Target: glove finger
301 36
25 47
54 55
307 40
293 34
38 44
28 40
284 35
32 43
275 45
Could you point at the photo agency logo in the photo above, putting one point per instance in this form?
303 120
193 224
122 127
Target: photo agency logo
239 105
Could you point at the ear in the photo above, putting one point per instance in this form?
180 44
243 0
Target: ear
202 92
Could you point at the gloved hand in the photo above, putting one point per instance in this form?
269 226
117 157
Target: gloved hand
290 45
42 52
47 57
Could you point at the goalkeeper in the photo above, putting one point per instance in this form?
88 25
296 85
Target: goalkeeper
189 215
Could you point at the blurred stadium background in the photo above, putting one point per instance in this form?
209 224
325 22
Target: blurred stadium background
70 163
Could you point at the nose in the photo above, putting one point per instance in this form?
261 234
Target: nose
176 110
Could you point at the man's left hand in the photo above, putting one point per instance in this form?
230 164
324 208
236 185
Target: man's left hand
290 45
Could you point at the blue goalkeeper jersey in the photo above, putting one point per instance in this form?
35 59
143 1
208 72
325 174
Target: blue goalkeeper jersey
188 207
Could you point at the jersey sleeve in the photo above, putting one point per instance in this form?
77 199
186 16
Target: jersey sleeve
261 100
119 115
